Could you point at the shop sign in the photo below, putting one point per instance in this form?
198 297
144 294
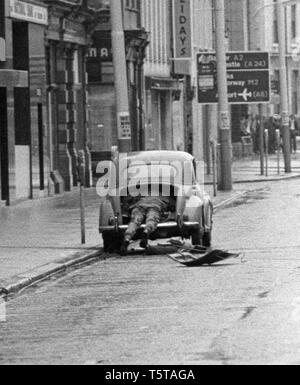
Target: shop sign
182 29
29 12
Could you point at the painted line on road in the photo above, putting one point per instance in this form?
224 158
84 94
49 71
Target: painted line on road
149 308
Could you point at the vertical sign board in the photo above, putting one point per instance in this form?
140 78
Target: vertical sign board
2 50
2 32
182 19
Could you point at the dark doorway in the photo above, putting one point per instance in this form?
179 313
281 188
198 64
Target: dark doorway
21 95
4 146
20 46
41 145
23 156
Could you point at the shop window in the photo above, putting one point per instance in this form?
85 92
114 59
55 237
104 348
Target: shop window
76 67
20 46
133 5
294 21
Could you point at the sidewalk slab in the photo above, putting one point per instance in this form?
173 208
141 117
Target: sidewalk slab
35 233
248 170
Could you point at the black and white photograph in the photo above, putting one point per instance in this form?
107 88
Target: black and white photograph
150 185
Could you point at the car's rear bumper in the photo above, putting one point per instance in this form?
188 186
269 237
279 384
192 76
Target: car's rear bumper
164 230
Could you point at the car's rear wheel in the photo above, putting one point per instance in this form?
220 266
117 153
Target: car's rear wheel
202 240
206 240
112 241
196 237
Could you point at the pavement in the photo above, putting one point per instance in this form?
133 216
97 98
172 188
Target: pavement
248 170
41 238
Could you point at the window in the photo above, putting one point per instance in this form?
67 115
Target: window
293 21
275 24
295 82
133 5
76 67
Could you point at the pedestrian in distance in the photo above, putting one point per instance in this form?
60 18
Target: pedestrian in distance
294 130
245 126
273 125
255 133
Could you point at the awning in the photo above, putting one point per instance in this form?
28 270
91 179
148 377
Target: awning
162 84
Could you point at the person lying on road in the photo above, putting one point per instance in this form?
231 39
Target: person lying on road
149 210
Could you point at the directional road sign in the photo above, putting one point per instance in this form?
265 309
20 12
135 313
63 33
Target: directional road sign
248 78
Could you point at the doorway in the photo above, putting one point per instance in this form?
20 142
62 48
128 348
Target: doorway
41 146
4 161
22 113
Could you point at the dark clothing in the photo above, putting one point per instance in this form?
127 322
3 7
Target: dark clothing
138 216
294 130
149 210
272 126
158 203
293 135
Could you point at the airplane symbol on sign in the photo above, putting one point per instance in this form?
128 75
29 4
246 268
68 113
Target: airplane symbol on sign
245 94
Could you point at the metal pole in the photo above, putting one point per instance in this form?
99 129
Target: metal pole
267 152
50 130
120 76
261 141
278 150
284 86
82 214
81 179
225 183
214 165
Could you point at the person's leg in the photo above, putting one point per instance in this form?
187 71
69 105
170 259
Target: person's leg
153 218
137 219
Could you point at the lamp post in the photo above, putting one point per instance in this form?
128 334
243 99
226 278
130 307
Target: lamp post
225 182
283 86
120 76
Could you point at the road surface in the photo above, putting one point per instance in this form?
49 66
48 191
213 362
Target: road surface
150 310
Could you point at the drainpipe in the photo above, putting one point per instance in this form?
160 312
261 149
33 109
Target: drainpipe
284 86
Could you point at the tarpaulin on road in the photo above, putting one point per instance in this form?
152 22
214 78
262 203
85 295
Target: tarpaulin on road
194 258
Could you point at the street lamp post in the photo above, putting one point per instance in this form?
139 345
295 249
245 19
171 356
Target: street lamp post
120 75
283 86
225 182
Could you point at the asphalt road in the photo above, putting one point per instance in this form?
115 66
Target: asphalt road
150 310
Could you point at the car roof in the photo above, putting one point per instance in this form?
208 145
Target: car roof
161 156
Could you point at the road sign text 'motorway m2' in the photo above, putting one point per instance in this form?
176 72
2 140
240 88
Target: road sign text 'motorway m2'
248 78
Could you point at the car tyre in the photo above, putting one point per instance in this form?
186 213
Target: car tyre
206 240
112 242
196 238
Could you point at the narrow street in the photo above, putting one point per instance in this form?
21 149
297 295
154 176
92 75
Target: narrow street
149 310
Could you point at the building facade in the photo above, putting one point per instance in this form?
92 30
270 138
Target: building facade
43 97
68 37
23 148
164 128
102 101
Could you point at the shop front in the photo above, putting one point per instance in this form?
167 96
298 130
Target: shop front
67 40
22 100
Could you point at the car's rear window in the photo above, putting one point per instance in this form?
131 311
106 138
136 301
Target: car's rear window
174 174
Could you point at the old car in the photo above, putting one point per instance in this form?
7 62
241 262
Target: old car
173 173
